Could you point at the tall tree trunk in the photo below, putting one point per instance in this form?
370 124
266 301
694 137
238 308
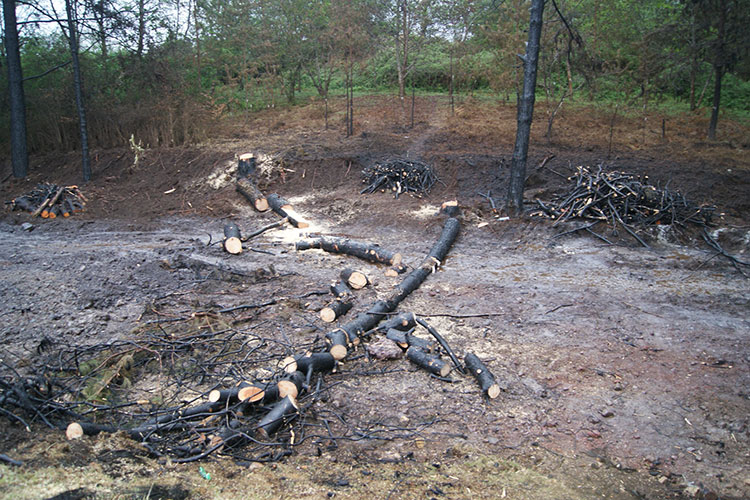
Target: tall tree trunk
78 88
141 27
719 66
19 152
525 111
453 77
693 57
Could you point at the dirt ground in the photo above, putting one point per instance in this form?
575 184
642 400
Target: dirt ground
625 370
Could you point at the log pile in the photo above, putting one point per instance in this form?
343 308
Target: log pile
50 201
622 199
399 176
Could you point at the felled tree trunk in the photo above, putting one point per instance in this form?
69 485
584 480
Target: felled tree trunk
365 251
431 363
232 238
254 195
335 309
480 372
284 209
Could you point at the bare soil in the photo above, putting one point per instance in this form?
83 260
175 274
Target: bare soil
625 370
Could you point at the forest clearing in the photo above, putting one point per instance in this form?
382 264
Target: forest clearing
623 370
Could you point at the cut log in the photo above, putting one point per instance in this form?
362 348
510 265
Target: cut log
362 250
256 392
449 208
282 412
254 195
341 290
284 209
431 363
291 385
266 228
246 166
338 341
408 339
232 238
335 309
480 372
355 279
317 361
231 395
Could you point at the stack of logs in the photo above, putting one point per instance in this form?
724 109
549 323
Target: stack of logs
399 176
50 201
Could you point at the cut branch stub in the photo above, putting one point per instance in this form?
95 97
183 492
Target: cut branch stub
317 361
356 279
232 238
394 271
283 208
449 208
282 412
362 250
480 372
431 363
231 395
403 321
338 342
251 192
335 309
291 385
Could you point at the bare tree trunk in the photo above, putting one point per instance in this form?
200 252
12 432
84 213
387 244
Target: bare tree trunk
141 26
78 88
718 70
453 77
525 111
19 152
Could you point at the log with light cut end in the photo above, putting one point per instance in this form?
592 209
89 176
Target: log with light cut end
431 363
316 361
338 340
231 395
480 372
365 251
335 309
76 430
396 270
232 238
252 393
449 208
406 340
251 192
341 290
246 165
291 385
283 208
282 412
402 321
356 279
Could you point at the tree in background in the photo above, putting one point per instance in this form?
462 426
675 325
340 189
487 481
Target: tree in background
19 154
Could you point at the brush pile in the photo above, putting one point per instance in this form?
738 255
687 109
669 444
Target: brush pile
627 199
399 176
50 200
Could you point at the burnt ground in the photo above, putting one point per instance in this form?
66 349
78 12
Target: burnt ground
625 370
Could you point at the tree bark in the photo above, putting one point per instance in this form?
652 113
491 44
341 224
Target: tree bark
431 363
19 151
719 67
525 111
232 238
78 88
284 209
335 309
251 192
365 251
282 412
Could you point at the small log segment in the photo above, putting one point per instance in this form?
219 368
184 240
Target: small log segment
356 279
394 271
232 238
284 209
431 363
480 372
336 309
449 208
350 333
407 339
315 362
282 412
362 250
443 343
341 290
246 166
254 195
404 321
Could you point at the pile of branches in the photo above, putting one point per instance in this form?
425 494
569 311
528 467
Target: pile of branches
623 200
399 176
50 200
